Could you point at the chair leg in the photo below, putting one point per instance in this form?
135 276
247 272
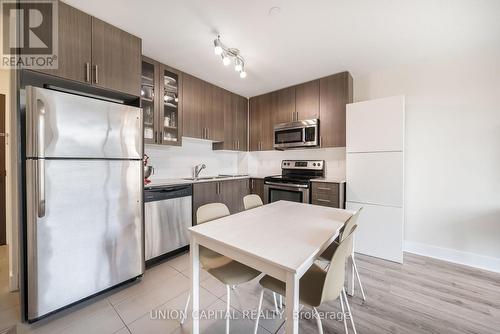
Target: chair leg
228 307
258 311
318 320
341 297
359 280
349 310
275 303
184 315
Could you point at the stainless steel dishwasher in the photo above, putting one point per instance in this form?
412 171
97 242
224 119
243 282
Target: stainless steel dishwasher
167 217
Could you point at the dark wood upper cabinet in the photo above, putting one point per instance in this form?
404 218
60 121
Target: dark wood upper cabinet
203 109
213 113
261 123
335 93
149 101
74 44
240 104
116 58
170 116
307 100
283 106
193 107
94 52
161 102
235 123
325 98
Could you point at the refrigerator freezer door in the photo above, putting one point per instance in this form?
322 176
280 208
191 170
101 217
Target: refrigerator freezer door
63 125
90 235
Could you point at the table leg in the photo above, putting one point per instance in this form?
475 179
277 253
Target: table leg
195 285
292 304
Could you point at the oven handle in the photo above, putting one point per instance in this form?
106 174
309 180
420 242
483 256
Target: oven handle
289 185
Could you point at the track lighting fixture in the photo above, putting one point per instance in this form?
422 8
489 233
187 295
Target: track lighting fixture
228 54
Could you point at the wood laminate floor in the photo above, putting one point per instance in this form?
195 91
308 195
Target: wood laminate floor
421 296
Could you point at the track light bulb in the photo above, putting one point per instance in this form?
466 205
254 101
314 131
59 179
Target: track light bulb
243 74
218 46
225 59
238 66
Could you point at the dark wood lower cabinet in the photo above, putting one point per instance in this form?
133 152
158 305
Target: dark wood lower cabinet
328 194
229 192
257 187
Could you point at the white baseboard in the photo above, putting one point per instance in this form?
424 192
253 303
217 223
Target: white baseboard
453 255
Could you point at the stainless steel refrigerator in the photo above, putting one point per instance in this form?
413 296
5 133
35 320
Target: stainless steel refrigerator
84 197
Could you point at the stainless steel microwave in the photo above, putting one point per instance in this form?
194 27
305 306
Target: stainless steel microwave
296 134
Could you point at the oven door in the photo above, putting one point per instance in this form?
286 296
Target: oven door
284 192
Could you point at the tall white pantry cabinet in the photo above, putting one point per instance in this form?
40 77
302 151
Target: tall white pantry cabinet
375 175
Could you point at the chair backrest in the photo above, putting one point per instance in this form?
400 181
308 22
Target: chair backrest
349 224
335 276
208 212
252 201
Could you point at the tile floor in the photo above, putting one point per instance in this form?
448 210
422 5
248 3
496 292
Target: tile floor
421 296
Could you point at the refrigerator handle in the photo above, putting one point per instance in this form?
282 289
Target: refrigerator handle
40 137
40 169
40 187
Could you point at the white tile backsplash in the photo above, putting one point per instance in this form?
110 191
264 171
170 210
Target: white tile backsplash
177 162
269 162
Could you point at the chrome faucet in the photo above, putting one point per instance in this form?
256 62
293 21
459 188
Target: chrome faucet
198 169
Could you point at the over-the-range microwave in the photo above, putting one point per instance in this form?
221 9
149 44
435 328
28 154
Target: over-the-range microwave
296 134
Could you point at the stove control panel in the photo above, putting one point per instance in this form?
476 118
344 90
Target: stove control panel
303 164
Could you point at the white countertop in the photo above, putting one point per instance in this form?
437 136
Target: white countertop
180 181
329 179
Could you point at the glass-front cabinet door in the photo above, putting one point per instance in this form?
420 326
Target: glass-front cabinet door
161 103
170 114
148 100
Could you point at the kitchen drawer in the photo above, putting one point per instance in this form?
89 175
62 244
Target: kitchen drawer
327 194
325 188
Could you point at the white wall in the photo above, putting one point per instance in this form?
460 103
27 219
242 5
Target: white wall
452 154
176 162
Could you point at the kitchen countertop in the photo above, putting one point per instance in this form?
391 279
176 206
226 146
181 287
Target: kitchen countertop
181 181
328 179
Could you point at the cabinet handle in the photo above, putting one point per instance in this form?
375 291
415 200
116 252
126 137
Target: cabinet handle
323 188
160 139
156 137
253 184
96 74
87 72
238 146
323 200
320 141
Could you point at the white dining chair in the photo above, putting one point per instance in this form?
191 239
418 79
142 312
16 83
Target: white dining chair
224 269
252 201
328 253
317 285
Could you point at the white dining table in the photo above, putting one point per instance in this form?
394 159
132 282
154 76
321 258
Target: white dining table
281 239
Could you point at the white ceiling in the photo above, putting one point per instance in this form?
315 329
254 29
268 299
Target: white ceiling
307 40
